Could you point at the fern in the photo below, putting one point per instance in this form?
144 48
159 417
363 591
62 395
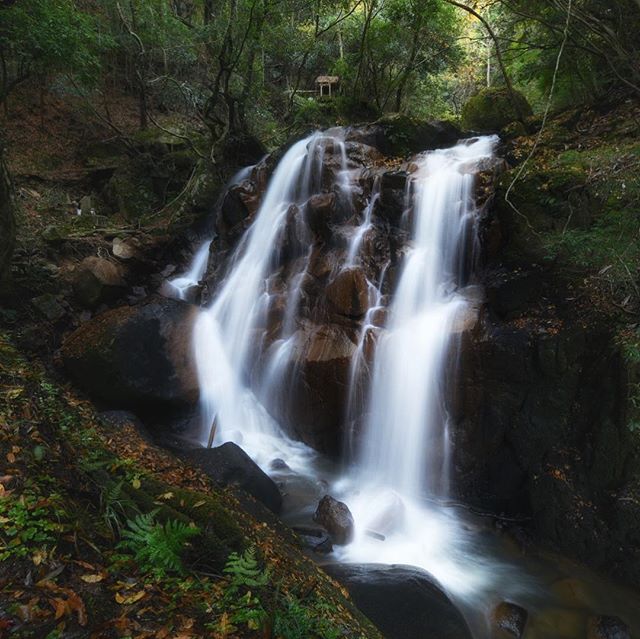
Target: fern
157 547
245 571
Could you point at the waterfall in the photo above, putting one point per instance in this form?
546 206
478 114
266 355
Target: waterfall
405 444
225 335
179 286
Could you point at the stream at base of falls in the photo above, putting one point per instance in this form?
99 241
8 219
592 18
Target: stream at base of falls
396 480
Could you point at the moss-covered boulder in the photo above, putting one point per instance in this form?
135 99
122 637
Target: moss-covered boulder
493 108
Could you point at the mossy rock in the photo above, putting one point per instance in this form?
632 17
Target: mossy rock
131 191
492 109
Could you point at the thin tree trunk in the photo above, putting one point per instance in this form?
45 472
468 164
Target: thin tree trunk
7 217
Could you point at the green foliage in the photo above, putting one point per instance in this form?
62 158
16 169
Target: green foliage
492 109
157 547
49 36
29 525
245 572
248 601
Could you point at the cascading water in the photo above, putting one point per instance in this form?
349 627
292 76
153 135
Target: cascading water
179 286
224 335
405 444
399 446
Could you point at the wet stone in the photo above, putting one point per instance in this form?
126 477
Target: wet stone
336 517
508 620
607 627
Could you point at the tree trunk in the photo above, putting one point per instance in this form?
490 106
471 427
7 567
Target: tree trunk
7 217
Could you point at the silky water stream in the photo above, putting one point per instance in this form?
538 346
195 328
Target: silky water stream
397 480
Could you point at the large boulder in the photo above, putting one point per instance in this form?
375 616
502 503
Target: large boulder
348 293
136 356
403 601
320 385
493 108
400 135
229 465
98 280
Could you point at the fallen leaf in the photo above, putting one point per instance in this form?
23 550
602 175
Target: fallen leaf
125 600
11 458
92 579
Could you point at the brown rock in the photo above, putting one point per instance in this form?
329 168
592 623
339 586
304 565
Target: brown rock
97 280
136 356
318 214
349 293
508 620
336 517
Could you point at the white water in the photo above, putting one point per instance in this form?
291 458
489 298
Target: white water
224 335
404 449
179 286
405 444
403 452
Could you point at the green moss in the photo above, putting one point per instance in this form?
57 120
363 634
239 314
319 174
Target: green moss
492 109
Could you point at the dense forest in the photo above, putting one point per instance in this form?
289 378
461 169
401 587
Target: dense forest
320 319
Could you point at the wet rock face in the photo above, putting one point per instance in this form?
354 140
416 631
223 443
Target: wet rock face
402 601
136 356
336 517
508 621
348 293
539 406
607 628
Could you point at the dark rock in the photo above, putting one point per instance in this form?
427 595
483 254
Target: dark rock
336 517
240 203
316 539
319 212
278 464
399 135
508 620
391 204
50 306
320 386
509 292
243 150
348 293
136 356
604 627
229 465
404 602
394 180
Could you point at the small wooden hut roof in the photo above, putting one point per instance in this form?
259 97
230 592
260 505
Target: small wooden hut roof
327 79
